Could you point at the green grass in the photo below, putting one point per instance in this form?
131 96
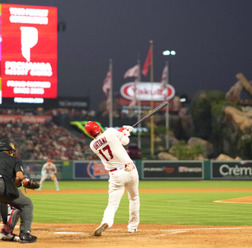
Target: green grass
156 208
151 184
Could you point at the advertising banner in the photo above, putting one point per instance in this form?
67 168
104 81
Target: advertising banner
28 51
231 170
89 170
25 118
172 170
147 91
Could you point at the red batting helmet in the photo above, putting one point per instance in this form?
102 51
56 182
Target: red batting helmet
92 128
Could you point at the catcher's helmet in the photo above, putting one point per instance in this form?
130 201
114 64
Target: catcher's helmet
92 128
5 145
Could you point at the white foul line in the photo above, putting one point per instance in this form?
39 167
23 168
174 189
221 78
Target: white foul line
177 231
210 228
68 233
232 202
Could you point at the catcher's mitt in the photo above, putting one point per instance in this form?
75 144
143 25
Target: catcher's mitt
30 184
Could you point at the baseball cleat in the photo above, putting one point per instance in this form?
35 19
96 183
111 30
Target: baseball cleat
98 231
132 230
27 238
9 237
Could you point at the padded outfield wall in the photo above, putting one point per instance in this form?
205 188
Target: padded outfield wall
148 170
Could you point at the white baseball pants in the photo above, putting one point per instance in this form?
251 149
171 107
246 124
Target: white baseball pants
118 181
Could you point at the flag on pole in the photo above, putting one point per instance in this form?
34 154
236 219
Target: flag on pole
106 88
147 63
164 79
132 103
134 100
107 83
132 72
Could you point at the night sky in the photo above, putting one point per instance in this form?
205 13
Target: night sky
212 40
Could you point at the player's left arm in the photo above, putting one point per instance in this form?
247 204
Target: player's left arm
55 169
19 178
123 135
126 127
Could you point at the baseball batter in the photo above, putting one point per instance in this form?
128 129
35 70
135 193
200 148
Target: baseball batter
49 170
122 173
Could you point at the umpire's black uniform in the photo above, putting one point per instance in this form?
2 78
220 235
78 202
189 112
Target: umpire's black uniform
10 194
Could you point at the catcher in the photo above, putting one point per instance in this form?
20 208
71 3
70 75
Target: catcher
12 177
49 170
11 220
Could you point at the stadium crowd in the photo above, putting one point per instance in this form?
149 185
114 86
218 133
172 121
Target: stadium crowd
38 141
52 112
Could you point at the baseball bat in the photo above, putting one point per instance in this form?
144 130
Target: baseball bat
160 106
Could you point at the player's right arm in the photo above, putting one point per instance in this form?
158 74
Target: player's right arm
43 170
43 167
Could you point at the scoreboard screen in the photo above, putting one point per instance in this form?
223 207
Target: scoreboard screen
28 51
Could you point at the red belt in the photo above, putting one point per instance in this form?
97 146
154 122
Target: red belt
115 169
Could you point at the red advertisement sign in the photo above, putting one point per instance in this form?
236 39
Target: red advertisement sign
25 118
29 51
147 91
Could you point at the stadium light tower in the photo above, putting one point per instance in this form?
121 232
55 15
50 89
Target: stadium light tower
167 53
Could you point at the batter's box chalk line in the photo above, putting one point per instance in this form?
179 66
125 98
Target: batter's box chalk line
69 233
162 233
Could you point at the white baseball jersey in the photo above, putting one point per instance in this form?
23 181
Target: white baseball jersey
49 169
110 150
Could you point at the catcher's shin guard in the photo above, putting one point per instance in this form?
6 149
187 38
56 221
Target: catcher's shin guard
13 216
